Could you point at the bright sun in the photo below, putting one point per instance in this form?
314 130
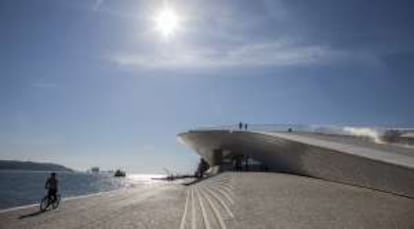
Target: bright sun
167 22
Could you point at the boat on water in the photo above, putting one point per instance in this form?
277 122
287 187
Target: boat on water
119 173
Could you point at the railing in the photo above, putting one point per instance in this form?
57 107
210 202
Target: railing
373 132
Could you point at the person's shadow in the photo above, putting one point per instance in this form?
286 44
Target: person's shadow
32 214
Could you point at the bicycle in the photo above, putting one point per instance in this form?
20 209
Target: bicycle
47 201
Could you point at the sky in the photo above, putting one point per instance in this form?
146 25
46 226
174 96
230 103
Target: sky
100 83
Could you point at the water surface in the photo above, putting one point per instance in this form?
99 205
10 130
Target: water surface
19 188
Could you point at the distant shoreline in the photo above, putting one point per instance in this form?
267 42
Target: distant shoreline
37 171
32 166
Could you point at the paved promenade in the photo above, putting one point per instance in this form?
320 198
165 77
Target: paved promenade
228 200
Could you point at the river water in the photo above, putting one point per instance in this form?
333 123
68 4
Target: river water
19 188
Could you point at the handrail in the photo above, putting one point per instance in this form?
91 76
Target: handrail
373 132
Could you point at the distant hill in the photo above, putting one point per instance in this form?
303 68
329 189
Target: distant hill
29 165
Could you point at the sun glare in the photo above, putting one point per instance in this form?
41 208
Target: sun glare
167 22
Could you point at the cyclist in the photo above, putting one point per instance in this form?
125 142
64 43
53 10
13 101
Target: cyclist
52 186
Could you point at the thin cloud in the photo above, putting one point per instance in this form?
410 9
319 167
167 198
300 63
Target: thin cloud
97 5
252 55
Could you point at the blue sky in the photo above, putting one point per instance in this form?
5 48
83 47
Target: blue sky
87 83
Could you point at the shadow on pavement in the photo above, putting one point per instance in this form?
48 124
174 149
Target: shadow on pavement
31 214
200 179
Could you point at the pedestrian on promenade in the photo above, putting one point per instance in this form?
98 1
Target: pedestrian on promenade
246 163
240 125
202 168
245 126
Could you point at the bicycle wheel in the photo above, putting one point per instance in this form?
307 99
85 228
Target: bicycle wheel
55 203
44 203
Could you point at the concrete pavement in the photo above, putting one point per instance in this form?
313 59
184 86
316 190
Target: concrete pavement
229 200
